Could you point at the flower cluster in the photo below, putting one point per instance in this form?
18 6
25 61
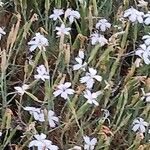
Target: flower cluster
38 115
137 16
89 79
69 13
72 15
89 75
144 49
97 38
42 143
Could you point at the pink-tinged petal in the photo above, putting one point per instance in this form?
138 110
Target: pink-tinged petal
56 93
145 123
52 123
140 19
96 94
127 13
147 41
32 48
86 139
84 79
90 83
108 25
71 19
37 77
79 60
50 113
60 87
142 128
135 127
47 142
43 136
36 143
55 118
92 71
143 46
93 141
98 25
67 84
53 147
148 99
132 18
95 103
103 27
146 58
69 91
86 146
36 115
147 21
81 54
88 94
64 95
145 37
139 52
98 78
76 67
136 121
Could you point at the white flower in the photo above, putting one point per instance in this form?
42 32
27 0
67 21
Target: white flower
89 78
42 73
146 39
64 90
79 60
98 38
37 113
62 30
21 90
2 32
134 15
42 143
72 14
142 3
139 125
92 97
56 14
52 118
144 53
147 20
103 25
39 41
89 144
